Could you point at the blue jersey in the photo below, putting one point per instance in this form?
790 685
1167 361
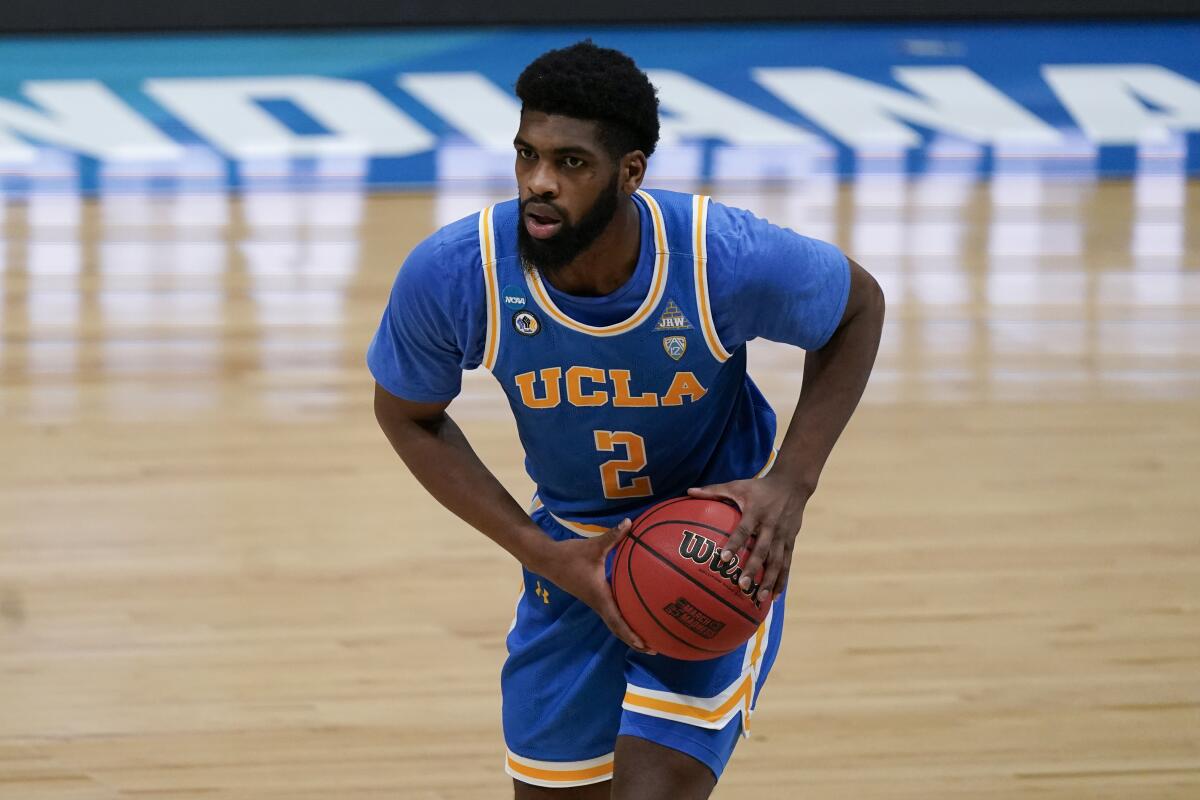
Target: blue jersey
626 400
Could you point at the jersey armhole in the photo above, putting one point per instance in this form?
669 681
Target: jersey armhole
700 261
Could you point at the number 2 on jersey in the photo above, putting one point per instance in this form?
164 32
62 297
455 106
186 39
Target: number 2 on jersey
635 461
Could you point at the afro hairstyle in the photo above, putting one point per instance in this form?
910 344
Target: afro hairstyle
589 82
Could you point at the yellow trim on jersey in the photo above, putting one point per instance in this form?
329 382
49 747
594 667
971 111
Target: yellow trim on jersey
760 638
658 284
582 528
740 697
707 712
770 463
517 607
559 774
700 260
487 256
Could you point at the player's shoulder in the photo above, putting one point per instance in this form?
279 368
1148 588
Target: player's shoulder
744 231
733 221
452 252
677 207
725 225
455 242
728 229
669 198
679 212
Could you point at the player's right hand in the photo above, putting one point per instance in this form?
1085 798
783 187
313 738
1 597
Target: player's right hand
577 567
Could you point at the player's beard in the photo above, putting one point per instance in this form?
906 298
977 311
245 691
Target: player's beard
548 255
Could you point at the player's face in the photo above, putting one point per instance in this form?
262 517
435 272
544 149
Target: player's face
569 188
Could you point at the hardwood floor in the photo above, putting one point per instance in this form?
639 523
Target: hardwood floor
217 581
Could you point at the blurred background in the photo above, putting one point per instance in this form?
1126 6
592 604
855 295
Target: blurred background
215 577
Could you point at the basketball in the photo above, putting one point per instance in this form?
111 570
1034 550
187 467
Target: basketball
672 588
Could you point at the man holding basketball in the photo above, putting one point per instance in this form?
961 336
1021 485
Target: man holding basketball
615 319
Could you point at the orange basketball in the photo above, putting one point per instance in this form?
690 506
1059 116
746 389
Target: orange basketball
672 587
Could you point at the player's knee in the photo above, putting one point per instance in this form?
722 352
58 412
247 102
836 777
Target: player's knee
593 791
649 771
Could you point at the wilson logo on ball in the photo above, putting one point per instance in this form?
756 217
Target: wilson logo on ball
703 550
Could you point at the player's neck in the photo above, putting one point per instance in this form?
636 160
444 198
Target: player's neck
609 262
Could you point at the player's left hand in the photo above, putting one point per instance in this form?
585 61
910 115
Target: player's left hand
772 513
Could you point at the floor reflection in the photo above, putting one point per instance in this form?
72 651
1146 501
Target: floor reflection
1040 285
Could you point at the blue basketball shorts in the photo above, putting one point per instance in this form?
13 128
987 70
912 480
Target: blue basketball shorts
570 687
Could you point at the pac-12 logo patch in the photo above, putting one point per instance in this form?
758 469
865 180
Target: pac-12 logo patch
675 346
526 323
513 297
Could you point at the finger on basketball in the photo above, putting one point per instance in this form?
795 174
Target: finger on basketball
713 492
726 492
763 542
785 573
774 566
615 535
616 623
742 534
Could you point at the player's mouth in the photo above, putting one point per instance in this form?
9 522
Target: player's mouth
541 221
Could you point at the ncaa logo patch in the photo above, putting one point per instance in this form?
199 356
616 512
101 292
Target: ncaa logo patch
675 346
513 297
526 323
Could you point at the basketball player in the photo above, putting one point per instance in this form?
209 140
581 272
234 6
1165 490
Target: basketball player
616 321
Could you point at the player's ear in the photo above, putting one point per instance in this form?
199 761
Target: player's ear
633 171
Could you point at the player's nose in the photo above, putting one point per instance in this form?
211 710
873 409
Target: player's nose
542 181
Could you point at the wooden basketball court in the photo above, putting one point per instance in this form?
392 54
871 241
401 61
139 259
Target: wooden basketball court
217 581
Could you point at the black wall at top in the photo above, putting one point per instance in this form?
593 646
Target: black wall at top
131 15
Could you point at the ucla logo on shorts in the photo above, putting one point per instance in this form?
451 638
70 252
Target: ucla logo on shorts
675 346
514 297
526 324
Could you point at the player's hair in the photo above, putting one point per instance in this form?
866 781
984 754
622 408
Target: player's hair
595 83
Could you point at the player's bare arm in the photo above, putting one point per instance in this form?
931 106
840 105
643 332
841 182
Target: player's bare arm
834 379
434 448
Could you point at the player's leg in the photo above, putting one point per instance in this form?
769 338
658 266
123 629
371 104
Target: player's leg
595 791
646 770
681 720
562 686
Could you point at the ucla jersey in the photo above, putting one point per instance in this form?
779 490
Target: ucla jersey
615 414
616 417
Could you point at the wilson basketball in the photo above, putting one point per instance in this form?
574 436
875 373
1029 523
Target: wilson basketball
672 587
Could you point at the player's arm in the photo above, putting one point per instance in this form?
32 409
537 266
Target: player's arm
835 376
437 453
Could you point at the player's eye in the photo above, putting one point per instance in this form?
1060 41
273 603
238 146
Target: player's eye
571 162
525 153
